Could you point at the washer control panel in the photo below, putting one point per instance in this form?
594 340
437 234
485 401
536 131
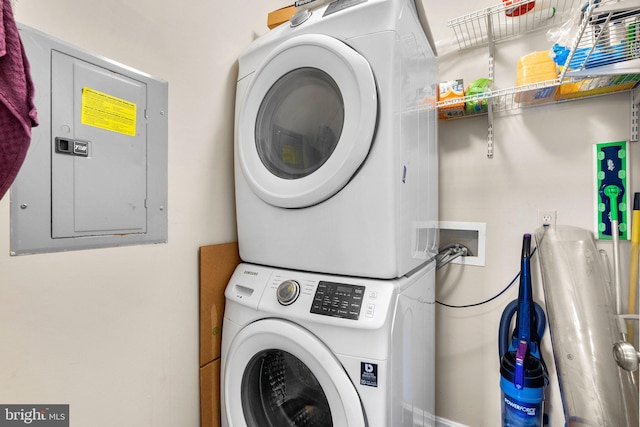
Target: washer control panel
311 297
338 300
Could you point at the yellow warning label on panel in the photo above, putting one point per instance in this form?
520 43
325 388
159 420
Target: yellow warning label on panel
108 112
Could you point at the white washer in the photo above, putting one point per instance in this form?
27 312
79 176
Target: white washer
306 349
335 146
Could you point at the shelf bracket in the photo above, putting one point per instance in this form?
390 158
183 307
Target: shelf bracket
635 100
491 45
492 78
490 131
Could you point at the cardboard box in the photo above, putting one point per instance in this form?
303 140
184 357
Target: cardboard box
217 263
210 394
597 86
452 90
280 16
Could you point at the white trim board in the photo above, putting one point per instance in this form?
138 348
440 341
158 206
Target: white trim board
442 422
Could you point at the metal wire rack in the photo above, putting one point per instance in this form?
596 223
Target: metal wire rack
506 20
540 93
602 58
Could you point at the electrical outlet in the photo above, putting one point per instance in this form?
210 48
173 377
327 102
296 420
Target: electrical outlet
546 218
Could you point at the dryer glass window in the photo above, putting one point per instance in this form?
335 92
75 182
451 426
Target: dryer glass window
279 390
299 123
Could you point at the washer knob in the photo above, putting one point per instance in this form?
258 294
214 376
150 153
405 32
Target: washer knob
288 291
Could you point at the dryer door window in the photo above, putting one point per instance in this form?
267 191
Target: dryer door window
299 123
276 373
307 121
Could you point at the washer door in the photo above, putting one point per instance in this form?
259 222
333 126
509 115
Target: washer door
279 374
307 122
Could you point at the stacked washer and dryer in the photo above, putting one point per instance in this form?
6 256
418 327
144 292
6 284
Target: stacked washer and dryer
329 320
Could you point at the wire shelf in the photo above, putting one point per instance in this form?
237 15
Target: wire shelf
540 93
494 23
609 35
603 58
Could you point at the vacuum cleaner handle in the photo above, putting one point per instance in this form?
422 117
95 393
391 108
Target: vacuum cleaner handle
505 335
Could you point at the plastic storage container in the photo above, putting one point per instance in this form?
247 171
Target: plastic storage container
536 67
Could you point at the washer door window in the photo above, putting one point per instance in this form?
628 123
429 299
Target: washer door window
279 390
307 122
278 374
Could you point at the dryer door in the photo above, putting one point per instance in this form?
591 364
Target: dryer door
279 374
307 121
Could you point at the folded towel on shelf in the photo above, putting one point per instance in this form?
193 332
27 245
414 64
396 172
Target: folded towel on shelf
17 110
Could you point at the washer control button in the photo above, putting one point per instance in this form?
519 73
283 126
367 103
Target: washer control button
287 292
371 308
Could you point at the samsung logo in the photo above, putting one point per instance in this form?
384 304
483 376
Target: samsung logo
251 273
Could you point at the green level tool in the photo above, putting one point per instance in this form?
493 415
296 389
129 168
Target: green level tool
612 166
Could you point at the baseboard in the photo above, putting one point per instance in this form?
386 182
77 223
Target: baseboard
442 422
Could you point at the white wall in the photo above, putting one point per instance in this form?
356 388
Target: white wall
114 332
543 159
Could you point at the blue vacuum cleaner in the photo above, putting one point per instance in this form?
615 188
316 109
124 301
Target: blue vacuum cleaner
523 374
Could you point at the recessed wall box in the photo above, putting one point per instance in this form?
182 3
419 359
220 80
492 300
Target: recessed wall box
473 235
95 174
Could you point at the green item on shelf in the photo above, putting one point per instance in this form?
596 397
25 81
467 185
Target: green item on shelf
479 104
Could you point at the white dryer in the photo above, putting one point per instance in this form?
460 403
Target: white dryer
316 350
335 142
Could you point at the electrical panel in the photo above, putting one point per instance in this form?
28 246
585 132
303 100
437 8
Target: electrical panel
95 174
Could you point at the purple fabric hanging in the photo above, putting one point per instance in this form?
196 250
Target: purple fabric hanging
17 110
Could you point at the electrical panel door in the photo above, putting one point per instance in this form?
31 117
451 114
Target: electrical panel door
98 187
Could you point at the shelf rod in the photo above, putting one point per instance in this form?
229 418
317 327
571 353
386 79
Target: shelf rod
635 99
492 78
491 46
